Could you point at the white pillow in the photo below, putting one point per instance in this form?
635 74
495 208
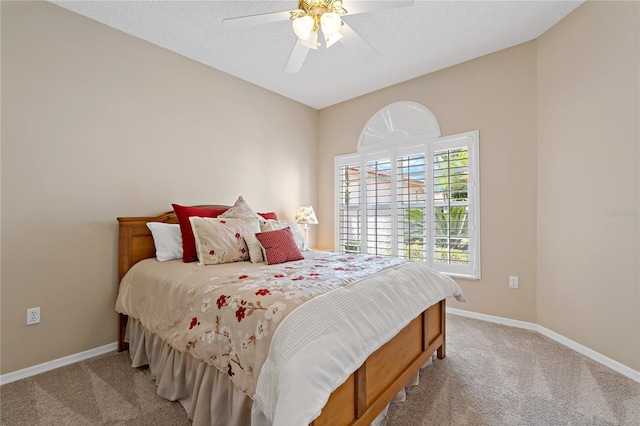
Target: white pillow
269 225
298 236
168 240
222 240
255 248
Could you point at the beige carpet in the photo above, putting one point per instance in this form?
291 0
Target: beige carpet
493 375
104 390
498 375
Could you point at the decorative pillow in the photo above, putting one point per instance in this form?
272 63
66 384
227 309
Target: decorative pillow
255 249
221 240
298 236
279 246
167 240
188 241
269 216
240 209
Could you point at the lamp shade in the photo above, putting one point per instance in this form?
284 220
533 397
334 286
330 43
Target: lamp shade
306 215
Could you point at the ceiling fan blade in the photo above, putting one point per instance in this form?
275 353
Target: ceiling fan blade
251 20
359 46
297 58
364 6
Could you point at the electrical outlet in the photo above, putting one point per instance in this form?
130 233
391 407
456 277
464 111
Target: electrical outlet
33 316
513 281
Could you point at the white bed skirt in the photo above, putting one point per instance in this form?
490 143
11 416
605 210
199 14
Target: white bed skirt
206 393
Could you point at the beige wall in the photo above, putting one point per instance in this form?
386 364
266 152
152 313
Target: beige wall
588 157
98 124
494 94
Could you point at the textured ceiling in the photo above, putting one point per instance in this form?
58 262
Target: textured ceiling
411 41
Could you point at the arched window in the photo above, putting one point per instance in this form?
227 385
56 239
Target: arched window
410 192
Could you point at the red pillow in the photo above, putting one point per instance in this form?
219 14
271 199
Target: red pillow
279 246
269 216
183 213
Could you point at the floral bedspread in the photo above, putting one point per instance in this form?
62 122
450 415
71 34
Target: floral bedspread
226 314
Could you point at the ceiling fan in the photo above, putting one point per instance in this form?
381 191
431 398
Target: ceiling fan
314 16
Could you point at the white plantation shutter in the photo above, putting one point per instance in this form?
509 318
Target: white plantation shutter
349 235
378 207
418 202
455 206
451 206
411 206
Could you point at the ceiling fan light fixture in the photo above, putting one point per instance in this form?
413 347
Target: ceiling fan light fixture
312 41
330 23
303 27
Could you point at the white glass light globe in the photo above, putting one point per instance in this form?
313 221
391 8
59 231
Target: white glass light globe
303 26
330 23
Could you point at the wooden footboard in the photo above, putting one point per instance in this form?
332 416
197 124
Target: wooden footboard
370 388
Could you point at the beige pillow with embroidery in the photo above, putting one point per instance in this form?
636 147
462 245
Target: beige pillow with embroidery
222 240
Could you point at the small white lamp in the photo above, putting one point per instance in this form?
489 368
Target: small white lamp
306 216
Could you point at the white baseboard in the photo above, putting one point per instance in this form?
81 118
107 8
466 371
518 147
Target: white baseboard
590 353
56 363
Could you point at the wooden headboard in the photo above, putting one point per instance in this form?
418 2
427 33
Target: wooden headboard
136 244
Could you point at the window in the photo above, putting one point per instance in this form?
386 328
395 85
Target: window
455 221
415 200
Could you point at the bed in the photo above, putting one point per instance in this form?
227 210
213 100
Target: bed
369 386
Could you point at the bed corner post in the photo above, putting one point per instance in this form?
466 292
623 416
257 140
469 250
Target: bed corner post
122 327
125 237
441 353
